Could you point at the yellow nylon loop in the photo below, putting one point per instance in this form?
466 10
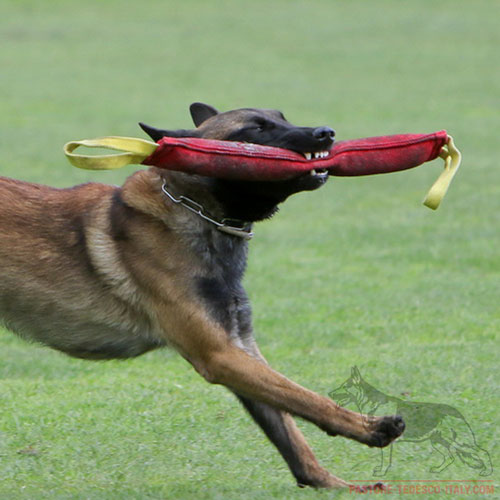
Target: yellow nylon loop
452 158
135 151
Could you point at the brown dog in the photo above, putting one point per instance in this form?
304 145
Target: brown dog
103 272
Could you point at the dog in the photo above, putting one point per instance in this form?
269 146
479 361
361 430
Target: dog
443 426
102 272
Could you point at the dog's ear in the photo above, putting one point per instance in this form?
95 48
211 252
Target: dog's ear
201 112
355 374
156 134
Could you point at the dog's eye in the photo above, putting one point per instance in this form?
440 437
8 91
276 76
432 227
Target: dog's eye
262 125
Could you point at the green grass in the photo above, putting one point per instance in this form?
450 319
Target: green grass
358 273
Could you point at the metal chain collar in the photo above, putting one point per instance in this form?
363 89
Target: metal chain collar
235 227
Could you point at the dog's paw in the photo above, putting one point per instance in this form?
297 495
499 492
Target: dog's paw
387 429
435 470
380 471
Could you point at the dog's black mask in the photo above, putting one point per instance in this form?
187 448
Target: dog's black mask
255 200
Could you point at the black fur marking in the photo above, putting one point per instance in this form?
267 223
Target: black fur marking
270 128
80 246
271 422
156 134
119 214
254 201
219 299
201 112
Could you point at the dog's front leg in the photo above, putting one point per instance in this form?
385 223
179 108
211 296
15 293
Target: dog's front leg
282 431
207 347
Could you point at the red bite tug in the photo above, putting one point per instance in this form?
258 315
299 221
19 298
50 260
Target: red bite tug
251 162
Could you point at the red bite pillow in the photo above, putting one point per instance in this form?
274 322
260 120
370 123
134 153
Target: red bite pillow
251 162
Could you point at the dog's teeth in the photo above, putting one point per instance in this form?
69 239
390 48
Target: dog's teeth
317 155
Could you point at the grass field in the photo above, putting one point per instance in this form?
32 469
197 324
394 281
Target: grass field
358 273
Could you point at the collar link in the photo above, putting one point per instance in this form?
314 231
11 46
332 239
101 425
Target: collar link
234 227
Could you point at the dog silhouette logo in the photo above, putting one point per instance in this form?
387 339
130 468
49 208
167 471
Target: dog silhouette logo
442 425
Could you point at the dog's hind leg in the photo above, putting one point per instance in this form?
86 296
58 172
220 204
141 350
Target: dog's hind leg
444 448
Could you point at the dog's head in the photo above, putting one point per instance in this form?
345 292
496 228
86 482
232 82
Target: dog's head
256 200
350 391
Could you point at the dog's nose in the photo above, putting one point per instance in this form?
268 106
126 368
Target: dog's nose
324 133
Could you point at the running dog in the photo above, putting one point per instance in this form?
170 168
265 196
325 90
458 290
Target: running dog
103 272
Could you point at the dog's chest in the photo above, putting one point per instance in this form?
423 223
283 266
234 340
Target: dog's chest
219 287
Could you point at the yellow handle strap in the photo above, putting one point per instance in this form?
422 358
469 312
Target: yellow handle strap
135 152
452 158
